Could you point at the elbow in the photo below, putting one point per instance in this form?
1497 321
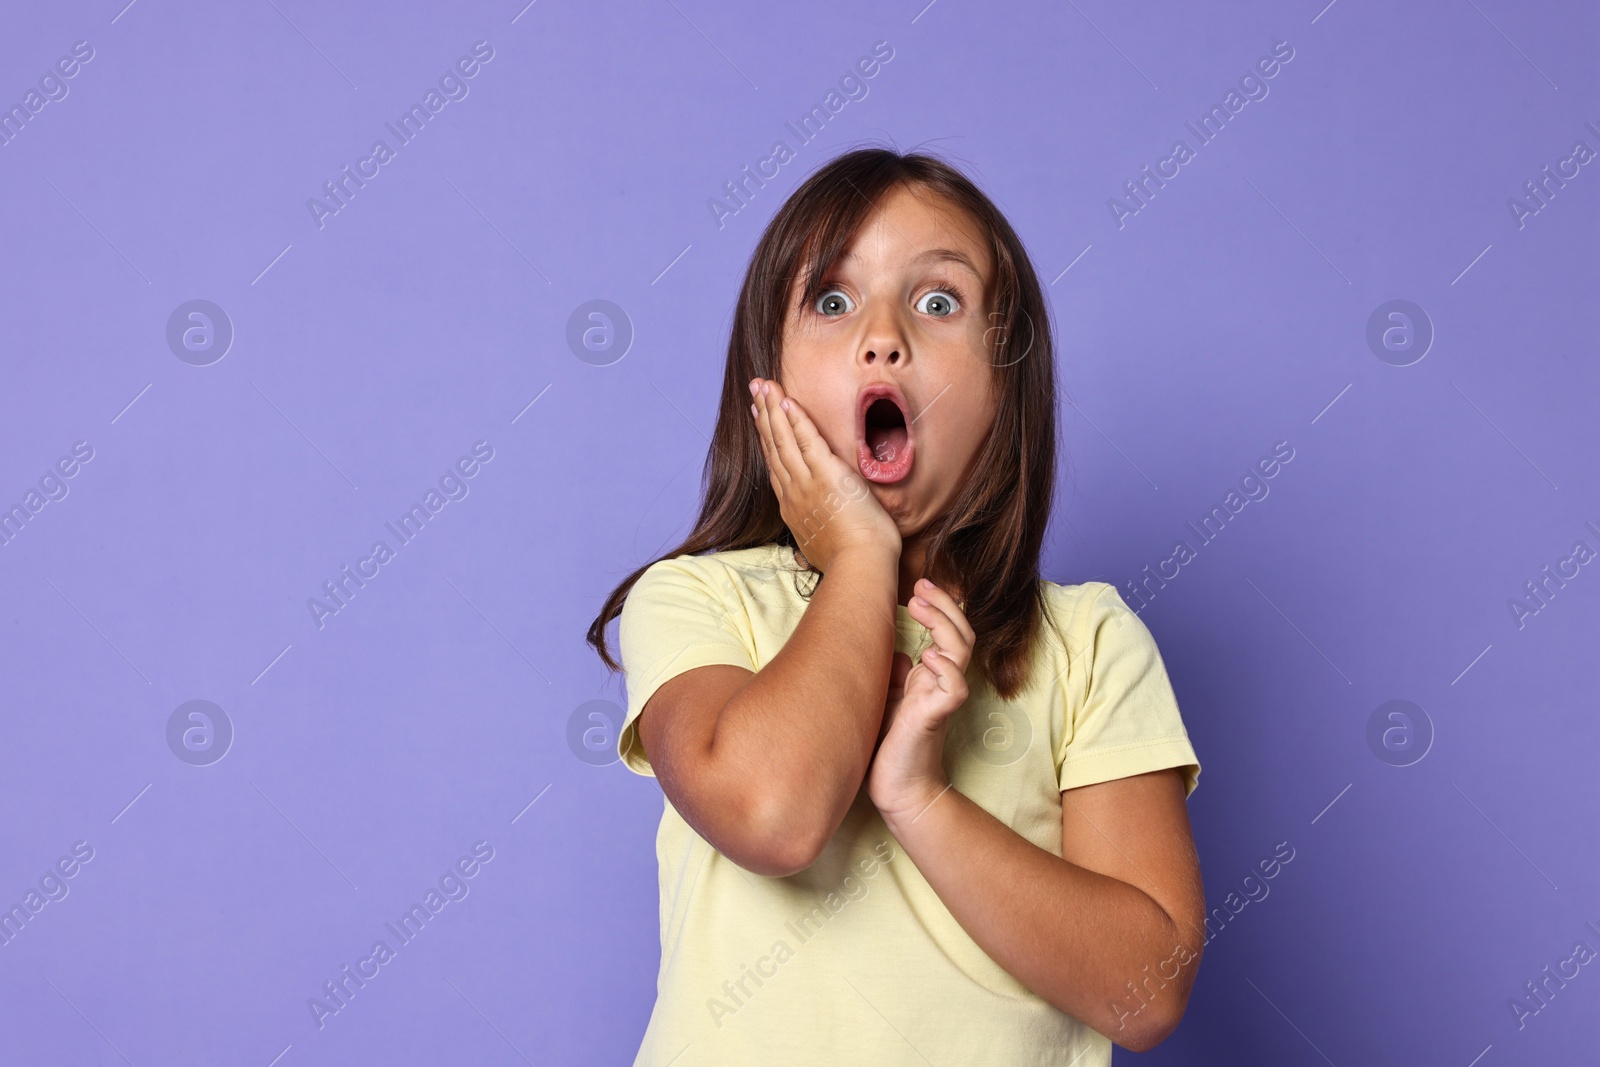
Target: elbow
1151 1027
755 822
777 842
1147 1038
1145 1023
1155 1019
1146 1035
771 864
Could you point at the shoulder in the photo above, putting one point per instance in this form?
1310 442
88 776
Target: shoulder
723 567
1092 627
757 563
682 603
1082 607
721 576
1066 593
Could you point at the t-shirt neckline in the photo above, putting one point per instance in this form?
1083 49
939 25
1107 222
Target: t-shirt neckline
784 556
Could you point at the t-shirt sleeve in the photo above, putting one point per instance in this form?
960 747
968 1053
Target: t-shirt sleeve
682 613
1122 713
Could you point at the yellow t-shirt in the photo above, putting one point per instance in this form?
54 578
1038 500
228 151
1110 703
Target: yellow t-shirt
856 959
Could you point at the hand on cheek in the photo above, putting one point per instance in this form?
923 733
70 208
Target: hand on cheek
825 503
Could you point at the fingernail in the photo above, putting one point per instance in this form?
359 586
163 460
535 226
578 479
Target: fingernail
752 409
752 387
918 600
784 403
766 387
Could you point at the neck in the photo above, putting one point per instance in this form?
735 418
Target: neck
912 555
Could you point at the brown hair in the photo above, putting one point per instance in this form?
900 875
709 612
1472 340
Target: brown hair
987 543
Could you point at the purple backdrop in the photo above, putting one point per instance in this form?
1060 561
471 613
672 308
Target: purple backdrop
241 344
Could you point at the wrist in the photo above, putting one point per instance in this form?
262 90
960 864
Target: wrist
859 554
902 812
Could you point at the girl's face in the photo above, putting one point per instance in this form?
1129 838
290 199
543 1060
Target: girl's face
900 324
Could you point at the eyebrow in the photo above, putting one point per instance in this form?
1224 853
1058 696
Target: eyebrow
948 255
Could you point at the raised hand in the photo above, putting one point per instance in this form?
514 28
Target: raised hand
824 501
907 773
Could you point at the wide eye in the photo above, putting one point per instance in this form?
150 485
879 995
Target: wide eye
832 303
940 303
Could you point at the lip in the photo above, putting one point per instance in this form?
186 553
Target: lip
872 469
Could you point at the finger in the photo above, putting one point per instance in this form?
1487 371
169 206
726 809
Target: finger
783 431
946 670
776 424
780 473
949 639
947 603
950 629
807 438
761 440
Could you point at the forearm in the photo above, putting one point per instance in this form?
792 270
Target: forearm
810 717
1095 947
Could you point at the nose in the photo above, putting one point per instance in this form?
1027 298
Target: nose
884 342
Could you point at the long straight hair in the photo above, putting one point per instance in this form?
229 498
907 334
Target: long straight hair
987 542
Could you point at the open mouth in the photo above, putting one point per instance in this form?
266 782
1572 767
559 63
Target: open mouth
884 448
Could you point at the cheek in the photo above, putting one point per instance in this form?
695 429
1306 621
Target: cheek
829 401
961 431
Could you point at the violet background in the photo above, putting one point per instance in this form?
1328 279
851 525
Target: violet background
437 708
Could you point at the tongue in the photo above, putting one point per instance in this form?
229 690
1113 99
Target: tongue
885 442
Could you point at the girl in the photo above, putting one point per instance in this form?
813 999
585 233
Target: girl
922 806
